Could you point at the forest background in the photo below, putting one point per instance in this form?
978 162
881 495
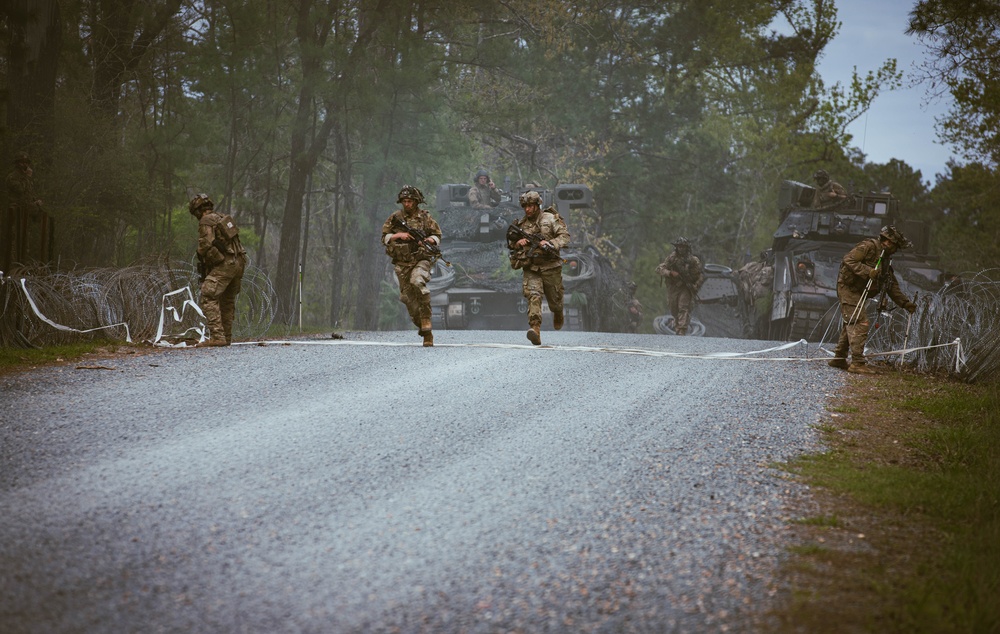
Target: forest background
304 118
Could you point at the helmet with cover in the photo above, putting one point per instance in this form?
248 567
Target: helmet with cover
821 177
530 198
22 159
482 173
411 192
198 202
892 234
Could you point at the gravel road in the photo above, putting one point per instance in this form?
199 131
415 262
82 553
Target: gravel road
373 485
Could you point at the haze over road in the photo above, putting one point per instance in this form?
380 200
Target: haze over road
344 487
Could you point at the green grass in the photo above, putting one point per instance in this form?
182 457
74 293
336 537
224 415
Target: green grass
934 512
20 358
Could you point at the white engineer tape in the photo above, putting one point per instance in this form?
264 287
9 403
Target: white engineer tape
178 316
34 307
722 356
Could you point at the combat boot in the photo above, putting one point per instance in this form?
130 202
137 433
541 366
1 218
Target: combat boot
557 320
682 331
861 368
535 335
213 343
425 326
428 339
838 363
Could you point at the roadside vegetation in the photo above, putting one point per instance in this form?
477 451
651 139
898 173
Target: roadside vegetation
905 532
18 359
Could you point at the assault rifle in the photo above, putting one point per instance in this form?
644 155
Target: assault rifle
421 239
859 309
515 233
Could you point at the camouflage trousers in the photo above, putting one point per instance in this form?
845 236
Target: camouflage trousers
680 299
413 278
852 335
218 297
547 282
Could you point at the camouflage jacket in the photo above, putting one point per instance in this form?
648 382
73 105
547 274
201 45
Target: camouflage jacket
409 251
552 228
689 267
854 271
829 195
21 191
213 247
483 197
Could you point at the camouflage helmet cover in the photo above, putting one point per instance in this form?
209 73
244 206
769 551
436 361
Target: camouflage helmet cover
681 242
820 176
892 234
530 198
199 201
411 192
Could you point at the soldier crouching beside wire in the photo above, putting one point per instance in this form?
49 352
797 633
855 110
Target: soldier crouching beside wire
534 241
864 271
221 262
413 256
683 275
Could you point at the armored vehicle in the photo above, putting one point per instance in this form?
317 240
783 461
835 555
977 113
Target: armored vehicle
790 292
479 290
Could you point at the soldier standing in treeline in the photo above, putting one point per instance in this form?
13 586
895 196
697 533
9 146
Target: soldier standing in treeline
682 273
538 258
222 261
866 266
413 258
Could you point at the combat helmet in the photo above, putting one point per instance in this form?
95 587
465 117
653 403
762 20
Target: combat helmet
682 242
411 192
530 198
821 177
892 234
482 173
22 158
199 201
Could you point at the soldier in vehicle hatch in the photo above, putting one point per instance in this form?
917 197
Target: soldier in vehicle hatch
534 241
484 193
828 193
411 238
682 273
221 262
864 271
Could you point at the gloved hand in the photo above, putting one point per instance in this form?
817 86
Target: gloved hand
910 308
873 274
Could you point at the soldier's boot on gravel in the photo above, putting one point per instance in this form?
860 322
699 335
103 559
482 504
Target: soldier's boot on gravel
682 331
425 330
557 320
839 363
213 343
535 335
861 368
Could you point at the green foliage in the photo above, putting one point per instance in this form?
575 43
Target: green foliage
683 117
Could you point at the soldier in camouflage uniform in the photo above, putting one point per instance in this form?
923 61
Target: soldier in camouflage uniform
541 263
484 193
222 261
866 266
21 186
828 193
411 260
683 275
